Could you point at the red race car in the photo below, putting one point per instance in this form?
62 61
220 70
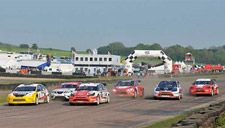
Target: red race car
90 93
204 86
130 88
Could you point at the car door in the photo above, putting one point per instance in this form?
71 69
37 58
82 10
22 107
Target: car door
138 87
41 93
104 91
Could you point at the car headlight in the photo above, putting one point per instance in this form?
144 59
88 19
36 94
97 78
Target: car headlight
114 90
29 94
11 95
91 94
130 90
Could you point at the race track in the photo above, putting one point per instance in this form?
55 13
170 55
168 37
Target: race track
119 113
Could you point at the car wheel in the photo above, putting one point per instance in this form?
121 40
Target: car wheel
108 99
155 98
36 100
98 100
135 93
212 92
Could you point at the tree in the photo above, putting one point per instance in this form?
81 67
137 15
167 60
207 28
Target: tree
89 51
9 47
73 49
24 46
34 46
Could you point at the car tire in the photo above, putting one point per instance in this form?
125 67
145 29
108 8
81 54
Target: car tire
36 100
135 94
108 99
155 98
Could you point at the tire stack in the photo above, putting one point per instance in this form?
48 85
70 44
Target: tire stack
204 118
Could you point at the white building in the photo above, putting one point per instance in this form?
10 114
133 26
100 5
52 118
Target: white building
91 63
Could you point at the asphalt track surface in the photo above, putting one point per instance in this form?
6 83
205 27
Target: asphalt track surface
119 113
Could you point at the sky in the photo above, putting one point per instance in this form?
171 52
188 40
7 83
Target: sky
84 24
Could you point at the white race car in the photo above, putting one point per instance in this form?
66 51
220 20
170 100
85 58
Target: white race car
64 90
168 89
90 93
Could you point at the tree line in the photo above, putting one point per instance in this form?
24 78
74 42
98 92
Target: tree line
212 55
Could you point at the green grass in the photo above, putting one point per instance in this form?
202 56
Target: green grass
220 122
3 100
45 51
67 80
146 60
167 122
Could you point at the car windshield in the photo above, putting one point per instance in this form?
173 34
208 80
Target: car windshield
125 83
201 82
167 84
25 89
89 88
69 86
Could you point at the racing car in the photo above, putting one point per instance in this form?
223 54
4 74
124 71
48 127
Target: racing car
130 88
204 86
64 90
29 93
168 89
90 93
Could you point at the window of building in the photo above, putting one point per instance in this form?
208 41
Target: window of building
81 59
96 59
91 59
110 59
86 69
86 59
100 59
77 58
105 59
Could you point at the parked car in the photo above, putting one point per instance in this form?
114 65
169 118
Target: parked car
204 86
29 93
168 89
64 90
130 88
90 93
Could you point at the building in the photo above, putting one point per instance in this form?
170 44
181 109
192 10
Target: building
91 63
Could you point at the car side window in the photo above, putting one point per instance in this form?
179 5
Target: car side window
38 88
103 87
136 83
99 88
43 87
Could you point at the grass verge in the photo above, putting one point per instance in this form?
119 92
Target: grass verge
68 80
167 122
220 122
3 100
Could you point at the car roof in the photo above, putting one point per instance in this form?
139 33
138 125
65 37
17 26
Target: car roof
89 84
204 79
127 80
29 84
71 83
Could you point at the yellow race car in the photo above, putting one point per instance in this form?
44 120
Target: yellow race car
29 93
